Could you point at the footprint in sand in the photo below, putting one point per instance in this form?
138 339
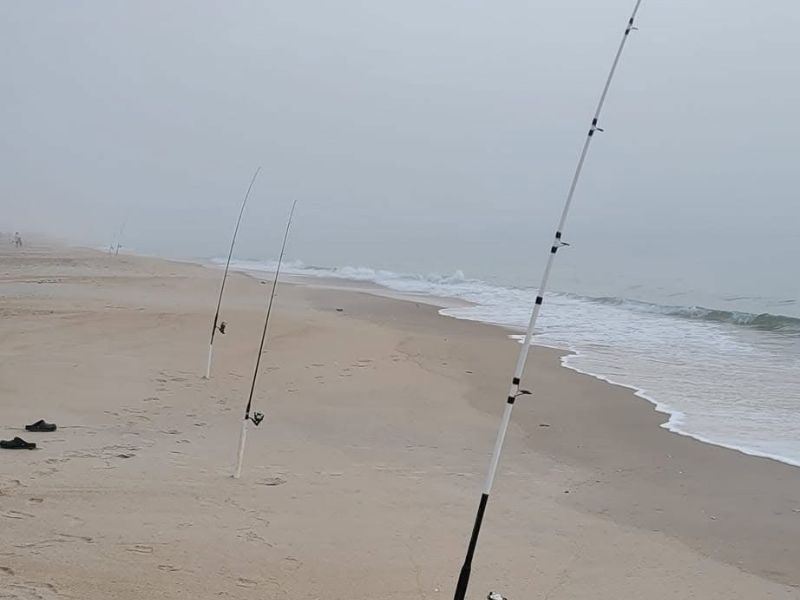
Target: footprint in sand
291 563
35 500
140 549
15 514
61 538
168 568
7 484
251 536
6 570
141 418
30 591
73 521
45 472
79 538
271 481
246 583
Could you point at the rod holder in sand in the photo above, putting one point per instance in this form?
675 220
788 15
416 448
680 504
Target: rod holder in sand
208 365
240 456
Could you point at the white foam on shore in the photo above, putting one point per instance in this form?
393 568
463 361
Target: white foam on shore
675 417
729 379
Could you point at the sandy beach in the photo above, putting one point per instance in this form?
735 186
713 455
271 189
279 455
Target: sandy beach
363 479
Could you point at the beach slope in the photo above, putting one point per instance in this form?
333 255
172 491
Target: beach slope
363 479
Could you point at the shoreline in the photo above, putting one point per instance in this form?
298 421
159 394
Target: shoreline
650 447
673 416
672 413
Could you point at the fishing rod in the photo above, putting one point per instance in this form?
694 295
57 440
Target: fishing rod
216 325
119 238
257 417
515 390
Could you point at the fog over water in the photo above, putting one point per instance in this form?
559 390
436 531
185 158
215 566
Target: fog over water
416 135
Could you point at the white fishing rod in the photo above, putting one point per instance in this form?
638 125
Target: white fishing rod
216 325
119 238
257 417
515 389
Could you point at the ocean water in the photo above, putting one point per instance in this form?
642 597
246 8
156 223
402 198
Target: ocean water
726 377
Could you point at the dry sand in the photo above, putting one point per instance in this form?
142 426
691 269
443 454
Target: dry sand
363 480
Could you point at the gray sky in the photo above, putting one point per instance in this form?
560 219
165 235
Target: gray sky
416 134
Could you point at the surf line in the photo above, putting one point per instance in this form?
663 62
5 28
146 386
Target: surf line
515 390
216 325
257 417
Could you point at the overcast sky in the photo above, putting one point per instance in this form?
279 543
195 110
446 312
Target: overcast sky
415 134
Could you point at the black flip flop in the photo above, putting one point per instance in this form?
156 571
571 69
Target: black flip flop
17 444
41 425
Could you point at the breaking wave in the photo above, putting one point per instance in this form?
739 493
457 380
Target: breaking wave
761 321
458 285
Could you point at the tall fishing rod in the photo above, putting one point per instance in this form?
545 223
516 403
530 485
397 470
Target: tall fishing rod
515 389
257 417
215 325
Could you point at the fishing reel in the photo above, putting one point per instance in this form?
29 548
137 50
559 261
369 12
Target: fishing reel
256 418
221 327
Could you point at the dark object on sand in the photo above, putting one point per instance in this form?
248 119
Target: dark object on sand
41 426
17 444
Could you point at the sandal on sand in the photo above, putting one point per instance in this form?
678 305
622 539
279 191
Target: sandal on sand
17 444
41 425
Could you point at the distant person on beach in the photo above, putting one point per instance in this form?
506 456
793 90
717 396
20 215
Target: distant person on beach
17 240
